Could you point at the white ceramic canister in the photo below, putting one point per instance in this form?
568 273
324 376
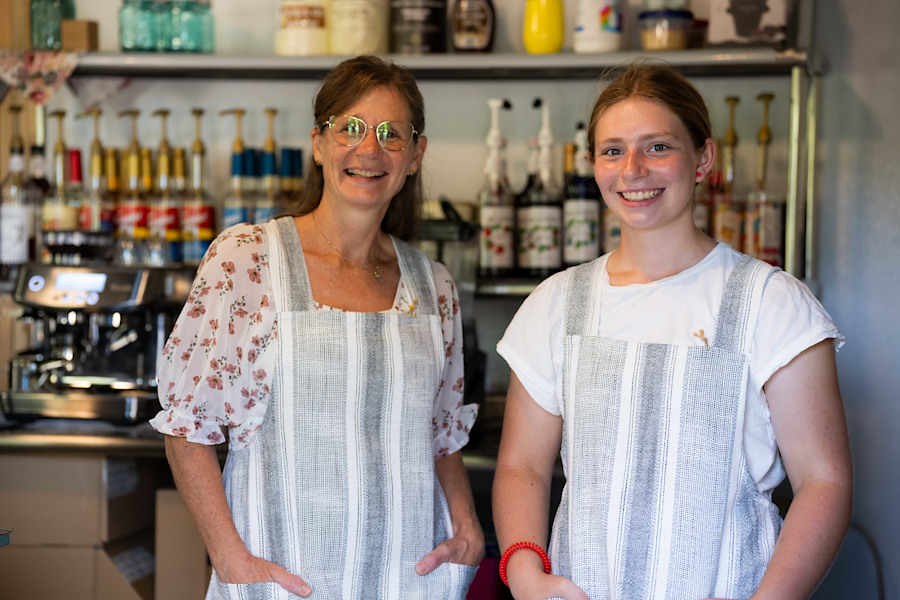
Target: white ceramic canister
598 26
302 27
359 27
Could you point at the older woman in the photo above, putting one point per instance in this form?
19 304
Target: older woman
331 352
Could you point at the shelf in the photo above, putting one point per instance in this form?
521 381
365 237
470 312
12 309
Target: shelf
506 287
705 62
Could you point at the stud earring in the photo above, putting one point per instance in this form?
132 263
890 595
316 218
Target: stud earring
318 162
699 174
411 173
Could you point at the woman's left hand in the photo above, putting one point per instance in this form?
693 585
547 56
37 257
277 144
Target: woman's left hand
465 548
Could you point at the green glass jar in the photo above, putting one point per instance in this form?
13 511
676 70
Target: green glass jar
139 29
46 22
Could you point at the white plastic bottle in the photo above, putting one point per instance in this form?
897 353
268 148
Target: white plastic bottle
359 27
302 27
598 26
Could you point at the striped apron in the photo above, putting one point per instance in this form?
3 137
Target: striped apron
658 502
339 485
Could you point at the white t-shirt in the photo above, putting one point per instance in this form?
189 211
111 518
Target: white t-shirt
679 310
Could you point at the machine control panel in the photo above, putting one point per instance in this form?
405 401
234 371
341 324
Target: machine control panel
99 288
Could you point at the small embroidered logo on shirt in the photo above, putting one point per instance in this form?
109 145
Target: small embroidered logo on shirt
702 337
412 308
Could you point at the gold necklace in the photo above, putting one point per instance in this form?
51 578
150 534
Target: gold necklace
375 272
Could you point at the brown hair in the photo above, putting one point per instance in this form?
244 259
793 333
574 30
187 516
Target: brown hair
343 86
661 83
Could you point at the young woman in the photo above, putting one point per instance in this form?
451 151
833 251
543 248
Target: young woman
331 352
678 381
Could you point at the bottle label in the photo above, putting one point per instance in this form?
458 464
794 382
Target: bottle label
497 224
132 220
358 27
13 234
300 15
418 26
59 217
728 225
581 227
540 228
163 222
232 215
474 22
302 28
199 222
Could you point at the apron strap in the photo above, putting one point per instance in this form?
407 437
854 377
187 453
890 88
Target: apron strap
739 309
581 311
287 266
415 269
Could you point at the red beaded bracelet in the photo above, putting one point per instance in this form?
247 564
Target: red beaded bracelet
520 546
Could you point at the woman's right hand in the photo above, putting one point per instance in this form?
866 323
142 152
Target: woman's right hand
540 586
252 569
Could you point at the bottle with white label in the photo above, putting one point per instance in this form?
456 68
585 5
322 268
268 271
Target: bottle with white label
598 26
359 27
302 27
497 205
581 207
14 208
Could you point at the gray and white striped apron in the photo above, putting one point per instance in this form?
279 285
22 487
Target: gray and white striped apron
658 502
339 485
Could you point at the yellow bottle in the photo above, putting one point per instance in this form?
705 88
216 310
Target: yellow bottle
543 29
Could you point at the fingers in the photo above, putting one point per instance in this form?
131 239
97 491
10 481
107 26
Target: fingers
443 553
289 581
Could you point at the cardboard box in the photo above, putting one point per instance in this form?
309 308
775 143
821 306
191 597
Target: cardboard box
78 499
82 572
15 24
182 566
79 35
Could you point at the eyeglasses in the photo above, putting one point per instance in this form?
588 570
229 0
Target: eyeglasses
351 131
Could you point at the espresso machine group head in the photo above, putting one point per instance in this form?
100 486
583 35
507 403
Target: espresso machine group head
97 334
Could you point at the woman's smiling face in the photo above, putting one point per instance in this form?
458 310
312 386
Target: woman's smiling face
646 164
367 173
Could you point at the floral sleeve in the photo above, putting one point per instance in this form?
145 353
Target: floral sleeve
216 368
452 420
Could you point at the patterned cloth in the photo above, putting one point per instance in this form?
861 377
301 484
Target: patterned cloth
38 74
340 486
218 365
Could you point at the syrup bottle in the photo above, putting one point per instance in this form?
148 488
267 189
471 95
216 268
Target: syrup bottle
473 25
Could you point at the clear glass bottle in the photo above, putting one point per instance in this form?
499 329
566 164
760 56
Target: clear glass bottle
198 214
497 205
163 217
37 188
131 222
581 207
14 214
58 214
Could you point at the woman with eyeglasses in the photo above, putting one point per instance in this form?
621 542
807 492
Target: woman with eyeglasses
331 352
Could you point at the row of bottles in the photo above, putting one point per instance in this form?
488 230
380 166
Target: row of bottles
546 227
135 207
350 27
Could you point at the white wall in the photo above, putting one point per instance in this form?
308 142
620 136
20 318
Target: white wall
859 247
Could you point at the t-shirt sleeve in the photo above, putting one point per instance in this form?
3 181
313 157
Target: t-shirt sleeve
452 420
533 343
791 320
216 368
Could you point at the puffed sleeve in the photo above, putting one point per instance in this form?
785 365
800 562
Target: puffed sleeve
216 368
452 420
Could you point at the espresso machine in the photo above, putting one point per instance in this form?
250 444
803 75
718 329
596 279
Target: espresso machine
97 333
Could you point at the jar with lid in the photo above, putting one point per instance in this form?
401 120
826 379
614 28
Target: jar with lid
665 29
598 26
302 27
46 22
418 26
139 26
359 27
185 26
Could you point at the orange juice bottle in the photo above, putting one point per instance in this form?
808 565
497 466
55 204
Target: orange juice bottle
543 29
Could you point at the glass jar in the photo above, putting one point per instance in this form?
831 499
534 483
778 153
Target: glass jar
46 22
185 27
138 26
207 26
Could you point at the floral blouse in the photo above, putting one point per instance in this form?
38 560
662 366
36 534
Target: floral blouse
217 366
